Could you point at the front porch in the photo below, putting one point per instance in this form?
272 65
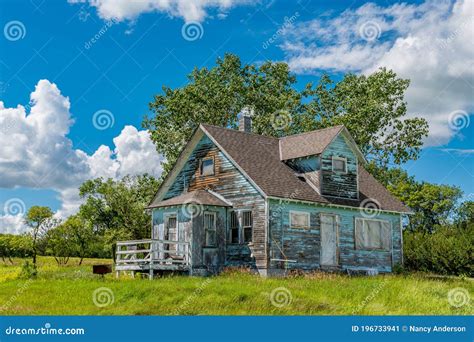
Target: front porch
148 256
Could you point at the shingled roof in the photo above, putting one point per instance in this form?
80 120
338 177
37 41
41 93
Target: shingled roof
260 159
309 143
203 197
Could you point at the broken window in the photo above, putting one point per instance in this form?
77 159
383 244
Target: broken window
247 225
234 227
207 166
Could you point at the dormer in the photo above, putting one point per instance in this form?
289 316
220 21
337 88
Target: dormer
326 159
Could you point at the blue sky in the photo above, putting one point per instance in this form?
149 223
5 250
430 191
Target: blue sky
115 67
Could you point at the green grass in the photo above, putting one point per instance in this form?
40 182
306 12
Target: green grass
68 290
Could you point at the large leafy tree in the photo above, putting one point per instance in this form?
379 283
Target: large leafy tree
116 209
372 108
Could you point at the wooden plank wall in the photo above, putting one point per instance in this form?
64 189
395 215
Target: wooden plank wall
303 246
231 184
339 185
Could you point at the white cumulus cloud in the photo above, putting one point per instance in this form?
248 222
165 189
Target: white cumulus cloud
189 10
36 152
430 43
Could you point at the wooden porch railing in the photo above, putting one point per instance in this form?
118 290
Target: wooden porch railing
151 254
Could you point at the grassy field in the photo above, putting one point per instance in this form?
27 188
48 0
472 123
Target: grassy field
73 290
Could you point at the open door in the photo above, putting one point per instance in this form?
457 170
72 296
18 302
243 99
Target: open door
170 234
329 234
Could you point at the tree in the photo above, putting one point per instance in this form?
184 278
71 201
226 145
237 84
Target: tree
39 219
465 214
60 244
116 209
15 246
372 108
433 205
81 235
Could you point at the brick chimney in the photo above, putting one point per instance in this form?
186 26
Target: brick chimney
245 119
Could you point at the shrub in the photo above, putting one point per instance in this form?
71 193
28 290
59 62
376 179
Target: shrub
449 250
28 270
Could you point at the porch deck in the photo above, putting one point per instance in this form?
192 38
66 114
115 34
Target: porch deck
150 255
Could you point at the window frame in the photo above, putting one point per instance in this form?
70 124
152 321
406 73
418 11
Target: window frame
382 248
307 213
206 229
339 159
166 217
239 213
201 167
244 227
236 213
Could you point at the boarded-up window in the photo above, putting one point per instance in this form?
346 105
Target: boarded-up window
339 164
207 167
247 224
210 229
299 219
372 234
234 227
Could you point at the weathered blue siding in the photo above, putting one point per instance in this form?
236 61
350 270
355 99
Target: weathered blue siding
230 183
303 246
339 184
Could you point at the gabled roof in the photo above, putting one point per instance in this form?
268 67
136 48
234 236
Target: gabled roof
309 143
314 143
202 197
259 159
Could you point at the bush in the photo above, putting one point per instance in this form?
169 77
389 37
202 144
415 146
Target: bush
28 270
449 250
